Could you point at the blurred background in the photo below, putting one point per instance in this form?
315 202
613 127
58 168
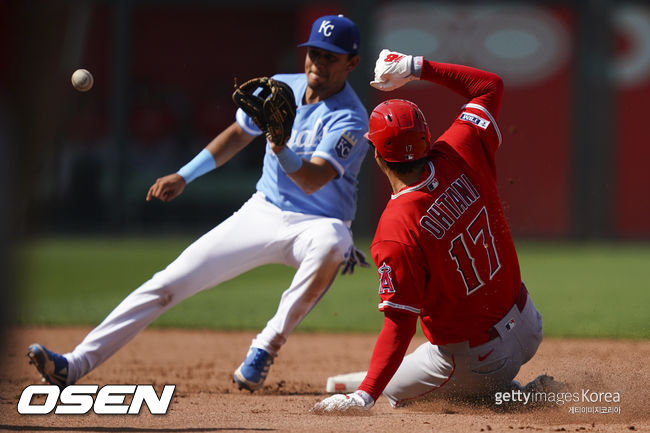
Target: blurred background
577 76
573 164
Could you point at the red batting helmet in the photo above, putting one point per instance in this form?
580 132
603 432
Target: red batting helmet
399 131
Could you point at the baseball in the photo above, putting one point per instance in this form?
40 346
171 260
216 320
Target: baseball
82 80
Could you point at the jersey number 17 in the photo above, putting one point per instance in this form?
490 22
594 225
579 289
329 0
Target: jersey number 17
475 241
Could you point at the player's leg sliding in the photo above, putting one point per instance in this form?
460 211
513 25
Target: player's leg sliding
462 370
52 366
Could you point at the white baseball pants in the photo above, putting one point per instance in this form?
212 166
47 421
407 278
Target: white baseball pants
258 233
458 370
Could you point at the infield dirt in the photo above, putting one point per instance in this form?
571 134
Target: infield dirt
200 363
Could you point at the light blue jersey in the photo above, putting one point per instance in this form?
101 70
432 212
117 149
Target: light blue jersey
331 129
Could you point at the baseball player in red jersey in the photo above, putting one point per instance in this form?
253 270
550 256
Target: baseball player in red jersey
443 248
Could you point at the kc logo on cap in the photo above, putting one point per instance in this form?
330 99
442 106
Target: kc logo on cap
334 33
326 28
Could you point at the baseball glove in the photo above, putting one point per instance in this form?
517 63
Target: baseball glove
273 108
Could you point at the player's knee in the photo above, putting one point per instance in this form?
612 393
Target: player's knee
332 245
329 254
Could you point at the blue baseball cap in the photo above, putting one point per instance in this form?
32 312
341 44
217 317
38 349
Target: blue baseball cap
334 33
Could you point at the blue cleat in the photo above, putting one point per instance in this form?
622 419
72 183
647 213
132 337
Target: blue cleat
252 372
52 366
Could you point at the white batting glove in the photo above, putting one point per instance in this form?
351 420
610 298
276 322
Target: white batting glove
393 70
358 400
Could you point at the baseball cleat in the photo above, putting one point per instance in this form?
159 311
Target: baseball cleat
252 372
52 366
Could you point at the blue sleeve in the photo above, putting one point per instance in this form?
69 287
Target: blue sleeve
246 123
343 145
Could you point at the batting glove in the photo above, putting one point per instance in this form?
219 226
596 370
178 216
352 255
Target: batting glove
357 257
358 400
393 70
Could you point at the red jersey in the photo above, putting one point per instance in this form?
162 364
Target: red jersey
443 247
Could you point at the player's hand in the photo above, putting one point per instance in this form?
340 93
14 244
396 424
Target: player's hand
357 257
167 188
276 148
393 70
358 400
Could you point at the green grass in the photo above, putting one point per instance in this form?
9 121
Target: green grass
590 290
79 281
582 290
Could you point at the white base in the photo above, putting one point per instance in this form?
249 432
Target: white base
345 383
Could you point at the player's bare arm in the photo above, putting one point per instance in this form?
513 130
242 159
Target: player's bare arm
228 143
312 175
223 147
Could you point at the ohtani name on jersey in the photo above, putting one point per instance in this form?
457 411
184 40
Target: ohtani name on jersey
449 206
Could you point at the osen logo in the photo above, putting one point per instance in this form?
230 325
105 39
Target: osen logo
80 399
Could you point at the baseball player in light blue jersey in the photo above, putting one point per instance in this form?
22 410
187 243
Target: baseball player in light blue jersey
318 131
300 215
